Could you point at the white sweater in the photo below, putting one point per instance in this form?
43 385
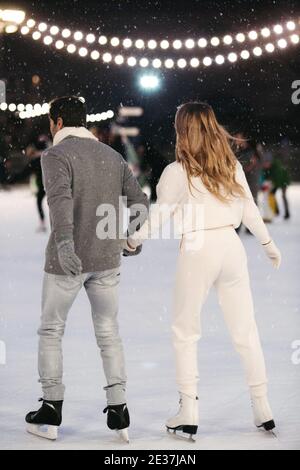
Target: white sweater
173 192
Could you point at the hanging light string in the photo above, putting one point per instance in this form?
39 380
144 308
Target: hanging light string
252 44
27 111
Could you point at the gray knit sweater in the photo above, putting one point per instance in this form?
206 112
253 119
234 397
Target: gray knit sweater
80 174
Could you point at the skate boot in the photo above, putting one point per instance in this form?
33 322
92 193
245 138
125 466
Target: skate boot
187 418
46 421
118 420
263 416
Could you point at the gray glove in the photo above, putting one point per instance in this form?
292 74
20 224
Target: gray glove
68 260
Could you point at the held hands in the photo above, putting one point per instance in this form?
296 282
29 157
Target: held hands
69 261
273 253
128 250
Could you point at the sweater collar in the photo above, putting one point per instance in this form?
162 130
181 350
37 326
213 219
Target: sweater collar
82 132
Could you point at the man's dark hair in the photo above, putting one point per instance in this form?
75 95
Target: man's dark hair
71 109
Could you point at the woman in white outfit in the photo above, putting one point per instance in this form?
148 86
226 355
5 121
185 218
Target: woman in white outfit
208 178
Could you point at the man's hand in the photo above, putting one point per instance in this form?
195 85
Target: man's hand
136 252
129 250
69 261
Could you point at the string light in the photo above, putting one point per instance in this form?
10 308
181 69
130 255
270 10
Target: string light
156 63
152 44
48 40
220 59
95 55
215 41
265 32
202 43
139 44
54 30
228 39
253 35
169 63
41 31
189 43
90 38
257 51
240 37
245 55
291 25
25 30
177 44
144 62
195 62
115 42
232 57
278 29
66 33
165 44
40 109
207 61
103 40
270 47
127 43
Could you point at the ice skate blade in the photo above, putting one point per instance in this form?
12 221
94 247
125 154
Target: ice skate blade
123 435
43 430
191 430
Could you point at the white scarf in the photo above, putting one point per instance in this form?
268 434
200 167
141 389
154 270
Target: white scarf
82 132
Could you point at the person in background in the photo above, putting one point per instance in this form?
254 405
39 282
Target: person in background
249 156
34 152
2 166
280 178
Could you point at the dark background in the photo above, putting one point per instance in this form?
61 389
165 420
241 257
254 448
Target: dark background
254 95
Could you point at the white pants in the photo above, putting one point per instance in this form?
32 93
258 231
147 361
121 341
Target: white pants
219 261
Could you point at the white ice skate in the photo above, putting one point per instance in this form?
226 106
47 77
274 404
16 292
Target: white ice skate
263 416
187 419
43 430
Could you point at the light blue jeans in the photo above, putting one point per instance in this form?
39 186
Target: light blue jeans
59 293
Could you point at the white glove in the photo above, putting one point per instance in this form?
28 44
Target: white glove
273 253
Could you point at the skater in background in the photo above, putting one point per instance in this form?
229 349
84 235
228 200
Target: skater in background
33 153
249 155
208 178
80 174
281 180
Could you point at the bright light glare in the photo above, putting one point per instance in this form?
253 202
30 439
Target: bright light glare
12 16
149 82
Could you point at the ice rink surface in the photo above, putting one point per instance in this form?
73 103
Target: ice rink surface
146 293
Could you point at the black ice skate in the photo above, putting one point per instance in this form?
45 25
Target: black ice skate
263 416
45 422
118 420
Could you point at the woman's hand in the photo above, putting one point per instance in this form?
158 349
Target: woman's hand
273 253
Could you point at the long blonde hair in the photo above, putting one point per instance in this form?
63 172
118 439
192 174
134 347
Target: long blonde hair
203 148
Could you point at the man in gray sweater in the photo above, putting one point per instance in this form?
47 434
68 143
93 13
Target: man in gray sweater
85 182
